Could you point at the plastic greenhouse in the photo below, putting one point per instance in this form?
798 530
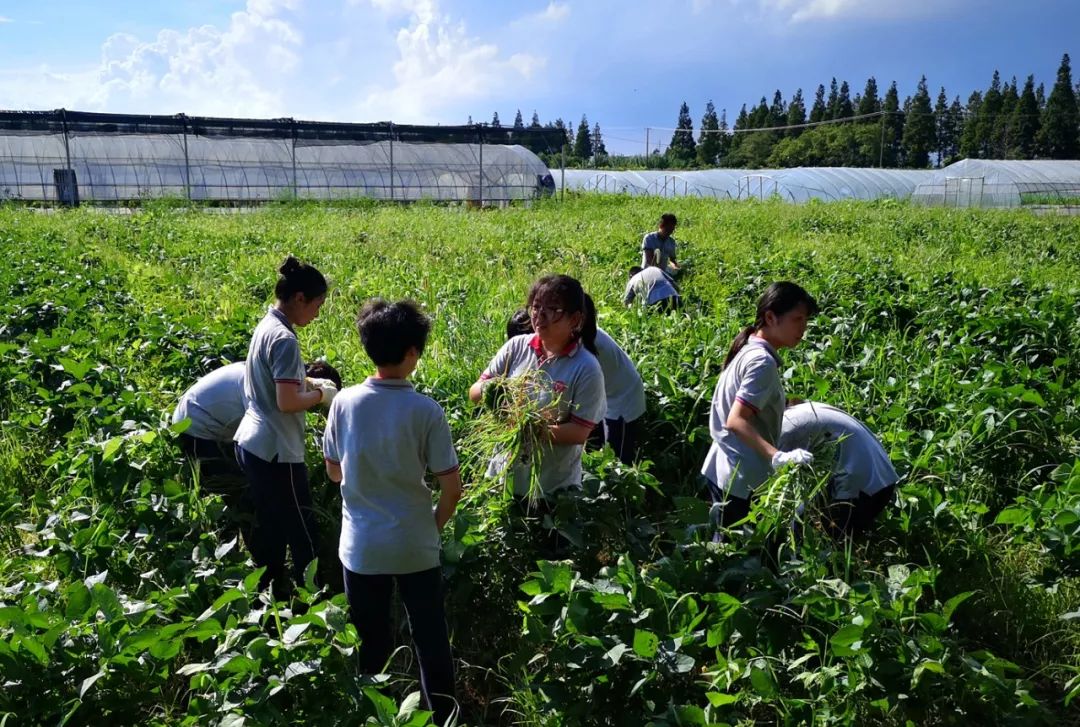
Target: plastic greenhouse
998 183
65 156
792 185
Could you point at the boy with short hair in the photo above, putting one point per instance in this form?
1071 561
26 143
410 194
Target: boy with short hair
658 248
381 438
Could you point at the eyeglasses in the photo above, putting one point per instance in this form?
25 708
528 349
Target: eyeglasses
543 311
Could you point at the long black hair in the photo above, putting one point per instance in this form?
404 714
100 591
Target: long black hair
571 296
778 299
297 277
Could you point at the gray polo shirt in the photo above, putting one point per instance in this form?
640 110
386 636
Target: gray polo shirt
651 285
574 383
273 358
860 463
386 436
623 387
753 377
214 404
665 249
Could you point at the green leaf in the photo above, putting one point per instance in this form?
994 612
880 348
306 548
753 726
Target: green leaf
923 667
847 641
646 643
110 448
166 650
193 668
719 699
78 369
762 682
1013 516
952 603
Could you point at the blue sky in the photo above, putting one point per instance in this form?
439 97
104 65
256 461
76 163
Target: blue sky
626 64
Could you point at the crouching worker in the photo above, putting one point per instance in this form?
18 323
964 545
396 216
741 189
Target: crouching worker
382 437
863 480
654 288
215 406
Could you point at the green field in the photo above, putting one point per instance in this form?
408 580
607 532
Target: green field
125 598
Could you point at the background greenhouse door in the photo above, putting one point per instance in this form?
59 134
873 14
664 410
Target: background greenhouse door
964 191
757 186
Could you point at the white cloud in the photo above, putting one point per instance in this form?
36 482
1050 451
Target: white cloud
4 19
236 70
439 67
797 11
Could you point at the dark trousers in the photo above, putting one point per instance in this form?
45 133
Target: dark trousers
731 509
370 597
667 305
216 459
849 517
284 520
620 434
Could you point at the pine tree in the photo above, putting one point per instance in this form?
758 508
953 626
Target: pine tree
944 128
759 117
519 123
893 122
683 148
561 126
969 138
958 119
844 109
1040 97
708 148
535 123
988 114
869 103
796 115
817 111
833 102
1004 133
495 121
724 137
777 110
919 138
1059 137
599 150
469 122
583 141
742 122
1025 123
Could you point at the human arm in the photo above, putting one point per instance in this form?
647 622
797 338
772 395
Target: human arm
333 471
476 391
450 494
740 422
291 398
569 433
331 452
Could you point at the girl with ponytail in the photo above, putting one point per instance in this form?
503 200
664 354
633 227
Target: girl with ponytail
566 379
748 405
270 438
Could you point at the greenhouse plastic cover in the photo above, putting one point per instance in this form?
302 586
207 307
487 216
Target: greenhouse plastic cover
799 184
999 183
119 157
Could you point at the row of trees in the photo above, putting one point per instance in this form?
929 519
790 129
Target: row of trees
1006 121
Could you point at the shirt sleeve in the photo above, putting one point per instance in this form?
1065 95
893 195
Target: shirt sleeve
758 383
628 296
441 457
331 452
648 242
285 362
500 363
590 402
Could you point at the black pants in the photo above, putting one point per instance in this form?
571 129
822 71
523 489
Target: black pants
849 517
284 520
667 305
216 459
620 434
370 597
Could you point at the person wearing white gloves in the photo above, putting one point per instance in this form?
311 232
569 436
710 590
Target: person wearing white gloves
270 438
863 480
748 403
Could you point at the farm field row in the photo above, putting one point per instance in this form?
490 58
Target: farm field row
955 335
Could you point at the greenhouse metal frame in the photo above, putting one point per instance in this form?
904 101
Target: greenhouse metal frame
69 156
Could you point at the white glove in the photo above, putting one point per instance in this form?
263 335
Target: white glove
329 391
314 383
795 456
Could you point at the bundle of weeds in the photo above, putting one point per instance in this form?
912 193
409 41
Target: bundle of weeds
512 425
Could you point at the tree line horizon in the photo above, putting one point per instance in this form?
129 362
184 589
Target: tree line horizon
1005 121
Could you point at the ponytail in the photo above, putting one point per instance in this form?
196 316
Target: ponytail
737 345
297 277
587 334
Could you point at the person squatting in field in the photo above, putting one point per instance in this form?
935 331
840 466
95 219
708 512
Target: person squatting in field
382 437
570 385
624 390
653 287
863 480
659 248
215 406
270 439
748 403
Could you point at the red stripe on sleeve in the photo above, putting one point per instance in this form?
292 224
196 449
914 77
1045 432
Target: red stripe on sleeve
446 472
583 422
747 404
